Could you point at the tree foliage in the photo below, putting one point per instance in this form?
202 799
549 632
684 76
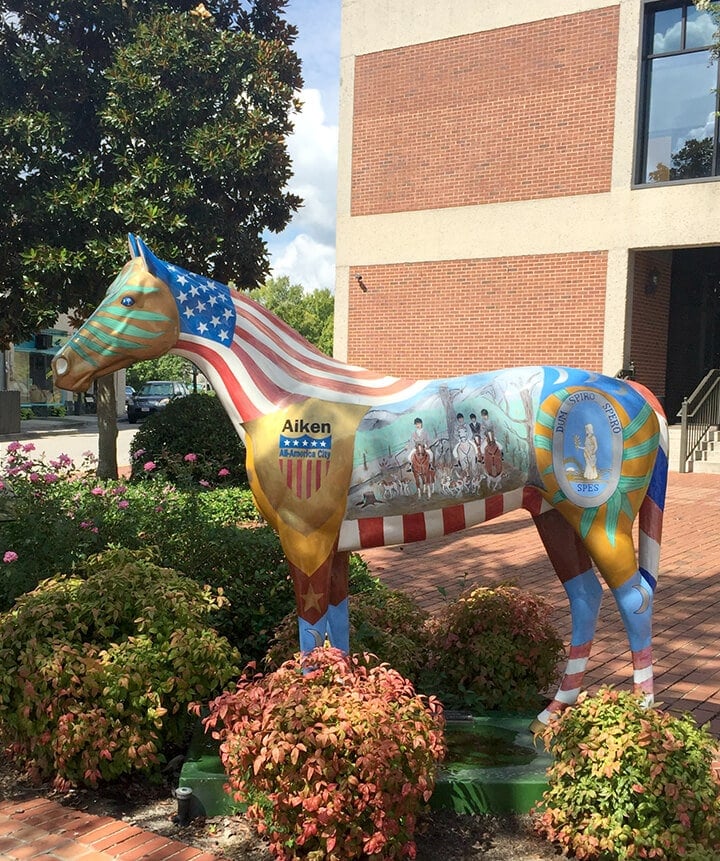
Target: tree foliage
167 367
311 314
160 117
693 159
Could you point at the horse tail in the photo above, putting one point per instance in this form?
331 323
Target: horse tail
653 506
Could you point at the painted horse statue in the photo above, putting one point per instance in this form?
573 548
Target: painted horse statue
319 435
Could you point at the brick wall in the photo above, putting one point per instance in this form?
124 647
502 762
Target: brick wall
441 319
512 114
650 315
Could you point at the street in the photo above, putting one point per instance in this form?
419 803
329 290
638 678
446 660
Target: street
72 436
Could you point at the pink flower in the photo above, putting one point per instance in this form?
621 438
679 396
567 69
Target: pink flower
29 446
34 477
98 491
190 457
123 503
13 446
204 483
223 472
10 556
139 453
149 466
50 477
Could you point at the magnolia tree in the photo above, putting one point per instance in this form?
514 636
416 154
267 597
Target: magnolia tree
164 118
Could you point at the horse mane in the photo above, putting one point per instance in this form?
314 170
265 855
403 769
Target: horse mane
265 364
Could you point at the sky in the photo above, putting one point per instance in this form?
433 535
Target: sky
305 250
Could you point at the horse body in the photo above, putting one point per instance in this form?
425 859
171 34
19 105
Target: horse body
320 435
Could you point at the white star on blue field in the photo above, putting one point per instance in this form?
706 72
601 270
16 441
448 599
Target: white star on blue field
204 306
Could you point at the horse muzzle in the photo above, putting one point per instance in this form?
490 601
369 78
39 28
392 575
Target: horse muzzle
72 373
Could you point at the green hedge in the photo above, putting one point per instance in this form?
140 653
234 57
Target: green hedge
97 669
191 439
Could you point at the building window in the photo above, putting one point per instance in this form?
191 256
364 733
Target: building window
678 122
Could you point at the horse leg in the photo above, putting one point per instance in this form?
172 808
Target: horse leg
322 603
632 587
338 611
573 566
632 577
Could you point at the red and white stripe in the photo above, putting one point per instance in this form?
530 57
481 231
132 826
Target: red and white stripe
269 365
366 532
571 684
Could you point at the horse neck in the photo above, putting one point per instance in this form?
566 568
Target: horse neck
268 366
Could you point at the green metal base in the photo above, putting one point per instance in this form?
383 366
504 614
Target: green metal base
493 766
203 772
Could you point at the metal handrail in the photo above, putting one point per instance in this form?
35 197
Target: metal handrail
626 373
699 413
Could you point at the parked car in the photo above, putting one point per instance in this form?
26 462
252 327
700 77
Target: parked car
129 395
153 396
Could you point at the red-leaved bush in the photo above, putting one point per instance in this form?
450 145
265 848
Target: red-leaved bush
334 758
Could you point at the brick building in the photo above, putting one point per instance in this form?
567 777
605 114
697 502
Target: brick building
529 183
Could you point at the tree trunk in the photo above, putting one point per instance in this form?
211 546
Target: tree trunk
107 427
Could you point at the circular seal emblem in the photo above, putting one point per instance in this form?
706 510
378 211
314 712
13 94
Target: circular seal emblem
587 447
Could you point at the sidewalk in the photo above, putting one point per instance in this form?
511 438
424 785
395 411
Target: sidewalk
46 831
70 435
687 601
32 428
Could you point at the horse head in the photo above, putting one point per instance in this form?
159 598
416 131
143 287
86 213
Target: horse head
138 319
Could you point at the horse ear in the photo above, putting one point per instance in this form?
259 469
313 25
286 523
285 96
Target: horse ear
132 242
150 260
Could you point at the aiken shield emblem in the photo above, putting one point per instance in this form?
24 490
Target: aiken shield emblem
305 461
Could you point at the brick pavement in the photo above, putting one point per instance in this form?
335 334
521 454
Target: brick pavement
687 601
44 830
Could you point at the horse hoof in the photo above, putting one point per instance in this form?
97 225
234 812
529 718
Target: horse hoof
537 728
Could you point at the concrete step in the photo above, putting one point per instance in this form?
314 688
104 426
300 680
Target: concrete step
706 467
706 457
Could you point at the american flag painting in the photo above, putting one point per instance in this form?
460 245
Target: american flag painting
304 461
204 306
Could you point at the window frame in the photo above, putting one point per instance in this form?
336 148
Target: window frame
646 57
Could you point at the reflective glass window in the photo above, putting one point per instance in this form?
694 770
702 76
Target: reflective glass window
667 30
680 79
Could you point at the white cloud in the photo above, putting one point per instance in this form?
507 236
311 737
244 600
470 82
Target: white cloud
313 150
307 262
311 233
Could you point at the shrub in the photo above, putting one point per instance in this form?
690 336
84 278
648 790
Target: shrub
504 651
96 669
61 513
630 782
192 439
335 762
385 625
44 522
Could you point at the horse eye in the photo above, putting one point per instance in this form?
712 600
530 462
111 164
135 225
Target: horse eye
127 301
